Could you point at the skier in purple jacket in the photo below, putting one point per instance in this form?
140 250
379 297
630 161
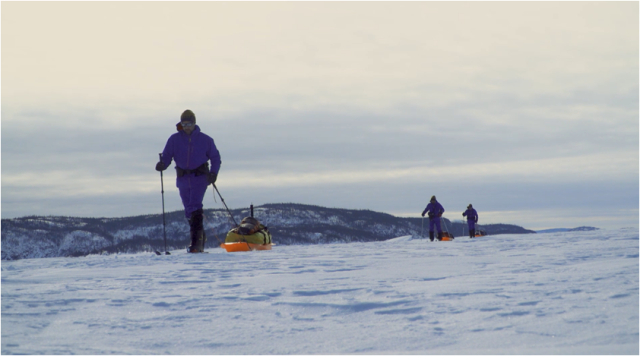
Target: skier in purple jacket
192 150
434 210
472 219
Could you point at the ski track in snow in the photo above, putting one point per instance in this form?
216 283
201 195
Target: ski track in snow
556 293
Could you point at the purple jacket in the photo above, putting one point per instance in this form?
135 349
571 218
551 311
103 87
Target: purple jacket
191 151
471 214
434 209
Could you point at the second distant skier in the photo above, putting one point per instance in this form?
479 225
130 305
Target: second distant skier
434 210
472 219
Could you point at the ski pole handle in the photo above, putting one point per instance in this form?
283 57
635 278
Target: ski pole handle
161 180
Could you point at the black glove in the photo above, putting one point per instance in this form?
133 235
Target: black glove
423 215
211 178
160 166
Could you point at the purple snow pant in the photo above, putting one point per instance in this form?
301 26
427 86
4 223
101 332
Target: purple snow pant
472 224
434 222
192 190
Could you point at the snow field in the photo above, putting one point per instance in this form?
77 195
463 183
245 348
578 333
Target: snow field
557 293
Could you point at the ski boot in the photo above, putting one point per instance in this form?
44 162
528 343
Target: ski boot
193 246
439 236
197 232
472 234
431 235
197 242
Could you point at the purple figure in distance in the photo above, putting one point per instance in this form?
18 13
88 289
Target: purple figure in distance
434 210
472 219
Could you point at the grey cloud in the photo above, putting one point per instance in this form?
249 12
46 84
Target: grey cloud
298 148
329 139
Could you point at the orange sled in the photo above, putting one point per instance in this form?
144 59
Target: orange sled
244 246
447 236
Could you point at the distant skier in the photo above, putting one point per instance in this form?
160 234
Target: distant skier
472 219
192 150
434 210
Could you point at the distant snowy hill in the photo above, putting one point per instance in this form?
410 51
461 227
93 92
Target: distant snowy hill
581 228
290 224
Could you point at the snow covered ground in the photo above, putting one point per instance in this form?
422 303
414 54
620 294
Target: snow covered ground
557 293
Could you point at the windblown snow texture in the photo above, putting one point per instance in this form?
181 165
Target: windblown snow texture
555 293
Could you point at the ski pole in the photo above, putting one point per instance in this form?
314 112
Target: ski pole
422 229
164 222
225 204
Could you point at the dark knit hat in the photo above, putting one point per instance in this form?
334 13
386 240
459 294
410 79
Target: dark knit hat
470 206
433 198
188 115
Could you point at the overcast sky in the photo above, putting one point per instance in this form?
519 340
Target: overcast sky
527 110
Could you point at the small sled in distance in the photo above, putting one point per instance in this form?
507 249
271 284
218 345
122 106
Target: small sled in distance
446 236
480 233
